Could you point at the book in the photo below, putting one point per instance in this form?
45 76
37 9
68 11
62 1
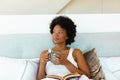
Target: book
73 76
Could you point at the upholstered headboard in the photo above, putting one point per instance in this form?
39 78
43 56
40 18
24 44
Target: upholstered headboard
31 45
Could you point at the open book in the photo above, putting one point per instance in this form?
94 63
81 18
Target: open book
72 76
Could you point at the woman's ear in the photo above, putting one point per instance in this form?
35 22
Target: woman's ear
66 37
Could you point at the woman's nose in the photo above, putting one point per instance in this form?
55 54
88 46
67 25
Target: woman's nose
55 34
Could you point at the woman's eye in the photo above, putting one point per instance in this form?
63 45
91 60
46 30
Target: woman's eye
60 32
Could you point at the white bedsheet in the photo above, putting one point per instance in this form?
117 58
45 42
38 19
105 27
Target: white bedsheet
14 68
111 67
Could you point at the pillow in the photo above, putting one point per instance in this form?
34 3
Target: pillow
94 65
31 70
11 68
108 74
113 64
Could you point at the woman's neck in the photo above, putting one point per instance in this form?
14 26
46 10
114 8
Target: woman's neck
60 47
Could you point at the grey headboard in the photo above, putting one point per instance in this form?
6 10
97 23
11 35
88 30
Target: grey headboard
31 45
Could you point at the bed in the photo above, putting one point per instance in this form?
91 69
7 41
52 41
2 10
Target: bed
19 53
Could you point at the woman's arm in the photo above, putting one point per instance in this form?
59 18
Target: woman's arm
82 64
79 58
42 65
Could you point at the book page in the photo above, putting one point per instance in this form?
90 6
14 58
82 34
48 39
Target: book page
55 77
49 79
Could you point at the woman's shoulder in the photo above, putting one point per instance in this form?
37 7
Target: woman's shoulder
77 52
44 51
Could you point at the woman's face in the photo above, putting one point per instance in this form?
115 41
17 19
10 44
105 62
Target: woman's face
59 35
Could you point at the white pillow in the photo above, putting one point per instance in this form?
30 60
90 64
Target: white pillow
117 74
108 74
31 70
113 63
11 69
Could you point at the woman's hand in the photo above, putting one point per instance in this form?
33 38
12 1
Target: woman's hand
44 57
60 59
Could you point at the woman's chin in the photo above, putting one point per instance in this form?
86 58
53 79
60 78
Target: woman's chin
56 42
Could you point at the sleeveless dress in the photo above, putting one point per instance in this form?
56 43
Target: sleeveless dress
60 70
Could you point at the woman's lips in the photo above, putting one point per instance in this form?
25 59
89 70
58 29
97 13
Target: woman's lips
56 39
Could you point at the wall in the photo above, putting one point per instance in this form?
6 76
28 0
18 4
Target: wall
58 6
86 23
92 6
11 7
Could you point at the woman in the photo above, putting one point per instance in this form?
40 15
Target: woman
63 31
